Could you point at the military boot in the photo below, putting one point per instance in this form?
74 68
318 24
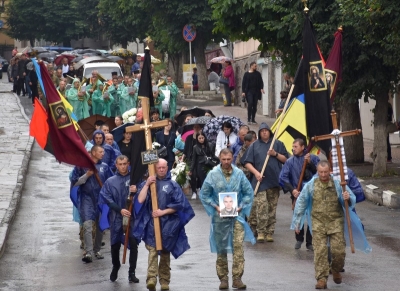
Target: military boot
321 284
260 238
337 277
238 284
151 284
224 285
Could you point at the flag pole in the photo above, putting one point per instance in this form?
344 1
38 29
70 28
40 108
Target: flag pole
275 136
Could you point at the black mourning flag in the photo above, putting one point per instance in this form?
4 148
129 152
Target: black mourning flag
311 78
145 87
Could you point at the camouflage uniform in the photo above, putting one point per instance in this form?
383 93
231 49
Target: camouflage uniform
238 254
161 269
262 217
239 164
327 221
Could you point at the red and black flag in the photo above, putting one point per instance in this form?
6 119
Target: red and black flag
333 67
63 140
311 79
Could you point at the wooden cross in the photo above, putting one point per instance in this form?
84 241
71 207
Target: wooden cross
340 160
146 127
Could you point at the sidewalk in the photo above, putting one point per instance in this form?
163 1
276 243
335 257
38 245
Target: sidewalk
15 152
381 190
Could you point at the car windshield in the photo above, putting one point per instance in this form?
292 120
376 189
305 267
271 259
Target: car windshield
103 71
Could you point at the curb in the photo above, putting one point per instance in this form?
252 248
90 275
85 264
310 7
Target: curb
380 196
17 193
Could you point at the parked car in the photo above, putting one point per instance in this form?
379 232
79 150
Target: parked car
4 64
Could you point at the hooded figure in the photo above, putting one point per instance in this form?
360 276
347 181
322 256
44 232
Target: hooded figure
78 100
256 155
110 154
263 214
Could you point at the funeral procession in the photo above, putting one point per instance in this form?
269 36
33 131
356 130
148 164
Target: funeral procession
199 145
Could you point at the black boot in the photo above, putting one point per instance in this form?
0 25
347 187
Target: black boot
132 278
114 273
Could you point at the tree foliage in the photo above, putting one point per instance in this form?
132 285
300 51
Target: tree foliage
23 22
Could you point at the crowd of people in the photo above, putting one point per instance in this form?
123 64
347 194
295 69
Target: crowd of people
97 95
250 217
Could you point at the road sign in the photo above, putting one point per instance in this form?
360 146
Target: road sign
189 33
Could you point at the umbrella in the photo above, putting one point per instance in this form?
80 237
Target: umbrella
88 127
213 127
195 111
221 60
46 55
188 127
123 53
77 59
115 58
59 59
119 131
36 49
154 60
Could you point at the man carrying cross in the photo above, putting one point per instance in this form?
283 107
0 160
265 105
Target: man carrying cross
174 213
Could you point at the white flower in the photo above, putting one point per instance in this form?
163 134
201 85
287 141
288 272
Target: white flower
155 145
125 121
125 115
132 118
133 111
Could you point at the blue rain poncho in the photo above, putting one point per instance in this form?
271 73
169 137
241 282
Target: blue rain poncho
169 195
87 194
305 201
115 192
216 183
110 154
291 171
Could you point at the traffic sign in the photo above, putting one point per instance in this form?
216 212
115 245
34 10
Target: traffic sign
189 33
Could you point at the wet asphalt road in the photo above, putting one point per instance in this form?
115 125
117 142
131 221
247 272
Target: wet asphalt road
42 251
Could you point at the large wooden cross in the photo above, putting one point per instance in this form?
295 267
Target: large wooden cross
146 127
340 161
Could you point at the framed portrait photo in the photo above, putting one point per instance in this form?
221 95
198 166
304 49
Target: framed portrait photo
228 204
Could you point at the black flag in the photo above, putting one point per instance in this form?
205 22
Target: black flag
145 87
312 78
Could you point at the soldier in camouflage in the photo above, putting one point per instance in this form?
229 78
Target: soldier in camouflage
228 233
327 218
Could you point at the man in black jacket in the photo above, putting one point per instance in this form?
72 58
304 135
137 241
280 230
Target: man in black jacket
252 87
21 75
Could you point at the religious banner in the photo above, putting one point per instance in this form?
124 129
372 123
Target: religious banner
63 140
333 67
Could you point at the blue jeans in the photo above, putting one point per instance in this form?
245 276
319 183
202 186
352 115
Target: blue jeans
28 88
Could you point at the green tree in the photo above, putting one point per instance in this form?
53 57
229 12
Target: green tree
119 22
21 18
374 25
167 21
62 21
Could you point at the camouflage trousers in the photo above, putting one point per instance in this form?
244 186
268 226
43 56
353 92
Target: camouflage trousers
337 245
238 256
262 217
162 269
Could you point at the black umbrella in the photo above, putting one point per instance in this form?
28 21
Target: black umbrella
118 132
202 121
195 111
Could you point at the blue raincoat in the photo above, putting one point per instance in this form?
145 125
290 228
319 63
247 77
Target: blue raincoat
304 203
291 170
216 183
355 186
169 195
87 196
115 190
110 154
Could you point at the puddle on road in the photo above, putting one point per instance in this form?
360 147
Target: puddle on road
389 243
